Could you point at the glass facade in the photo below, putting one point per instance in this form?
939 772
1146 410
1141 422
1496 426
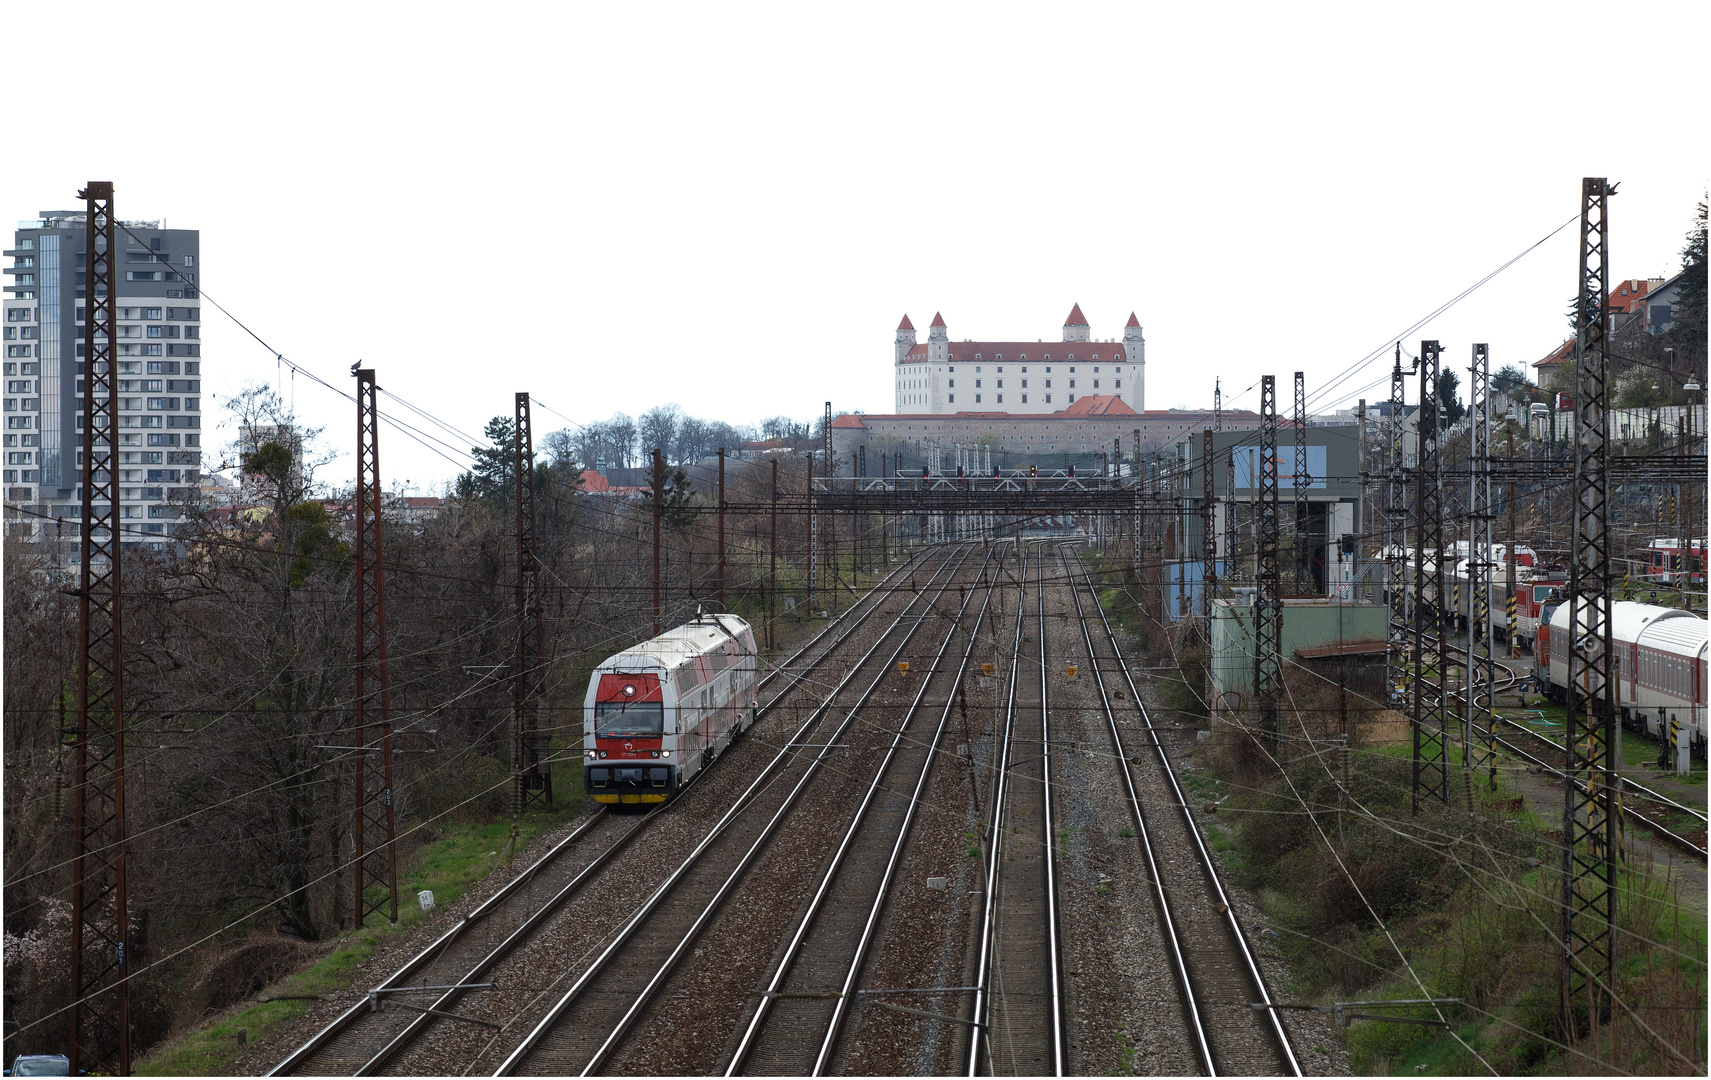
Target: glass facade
54 407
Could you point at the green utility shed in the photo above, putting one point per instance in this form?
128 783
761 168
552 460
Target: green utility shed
1309 624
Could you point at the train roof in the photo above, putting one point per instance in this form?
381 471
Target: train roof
1687 636
1628 620
681 644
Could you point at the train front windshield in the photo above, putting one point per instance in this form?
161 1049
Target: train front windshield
629 719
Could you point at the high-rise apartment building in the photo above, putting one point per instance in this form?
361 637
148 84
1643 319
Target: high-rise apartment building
159 376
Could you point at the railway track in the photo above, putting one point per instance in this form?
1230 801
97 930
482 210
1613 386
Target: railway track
588 1024
363 1040
1221 980
1507 682
1018 997
799 1018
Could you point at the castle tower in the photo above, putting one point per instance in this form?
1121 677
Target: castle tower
1075 327
938 340
905 338
1135 351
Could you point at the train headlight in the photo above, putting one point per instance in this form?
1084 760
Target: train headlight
665 753
590 753
602 753
656 753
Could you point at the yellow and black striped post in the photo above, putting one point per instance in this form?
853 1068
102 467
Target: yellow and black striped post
1514 635
1674 743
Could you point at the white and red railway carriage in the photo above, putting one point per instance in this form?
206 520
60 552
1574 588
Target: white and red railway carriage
1661 656
660 711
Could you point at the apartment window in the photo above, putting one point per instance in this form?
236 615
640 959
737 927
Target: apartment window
157 331
26 279
147 421
151 313
182 386
20 314
190 260
17 350
151 386
11 405
143 275
29 333
130 331
165 440
11 333
162 367
192 404
153 350
16 422
193 368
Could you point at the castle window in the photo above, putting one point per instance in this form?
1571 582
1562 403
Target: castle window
1048 383
1000 384
977 356
1119 384
1001 371
951 398
1024 371
1048 371
1024 385
1095 384
977 386
950 382
1095 370
1000 399
1025 401
977 399
1048 399
1072 370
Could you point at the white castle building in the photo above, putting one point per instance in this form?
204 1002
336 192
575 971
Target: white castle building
1018 377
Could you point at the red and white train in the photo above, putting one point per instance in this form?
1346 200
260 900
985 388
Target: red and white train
660 711
1660 666
1665 565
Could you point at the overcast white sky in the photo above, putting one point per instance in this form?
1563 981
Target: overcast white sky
730 206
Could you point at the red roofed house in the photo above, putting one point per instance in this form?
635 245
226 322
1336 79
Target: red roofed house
1627 299
1038 377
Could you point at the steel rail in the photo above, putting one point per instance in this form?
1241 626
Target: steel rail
806 923
995 839
1206 863
741 804
338 1024
1060 1045
1628 812
840 1008
1190 1002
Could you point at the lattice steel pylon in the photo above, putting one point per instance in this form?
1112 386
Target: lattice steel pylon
1217 404
1430 769
1590 845
530 768
1208 528
1396 536
376 863
99 1034
1230 514
1479 737
1268 595
1303 556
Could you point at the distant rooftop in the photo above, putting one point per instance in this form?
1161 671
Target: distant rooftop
65 219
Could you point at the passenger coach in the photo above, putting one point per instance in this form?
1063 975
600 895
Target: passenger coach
659 712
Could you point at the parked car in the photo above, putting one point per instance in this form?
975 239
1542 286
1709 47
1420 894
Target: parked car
40 1065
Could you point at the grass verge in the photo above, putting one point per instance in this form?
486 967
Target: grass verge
462 854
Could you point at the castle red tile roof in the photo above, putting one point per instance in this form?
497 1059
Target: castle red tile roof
1076 318
905 324
1098 405
1132 321
848 420
1026 352
938 320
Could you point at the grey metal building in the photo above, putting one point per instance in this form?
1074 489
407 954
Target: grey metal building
159 377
